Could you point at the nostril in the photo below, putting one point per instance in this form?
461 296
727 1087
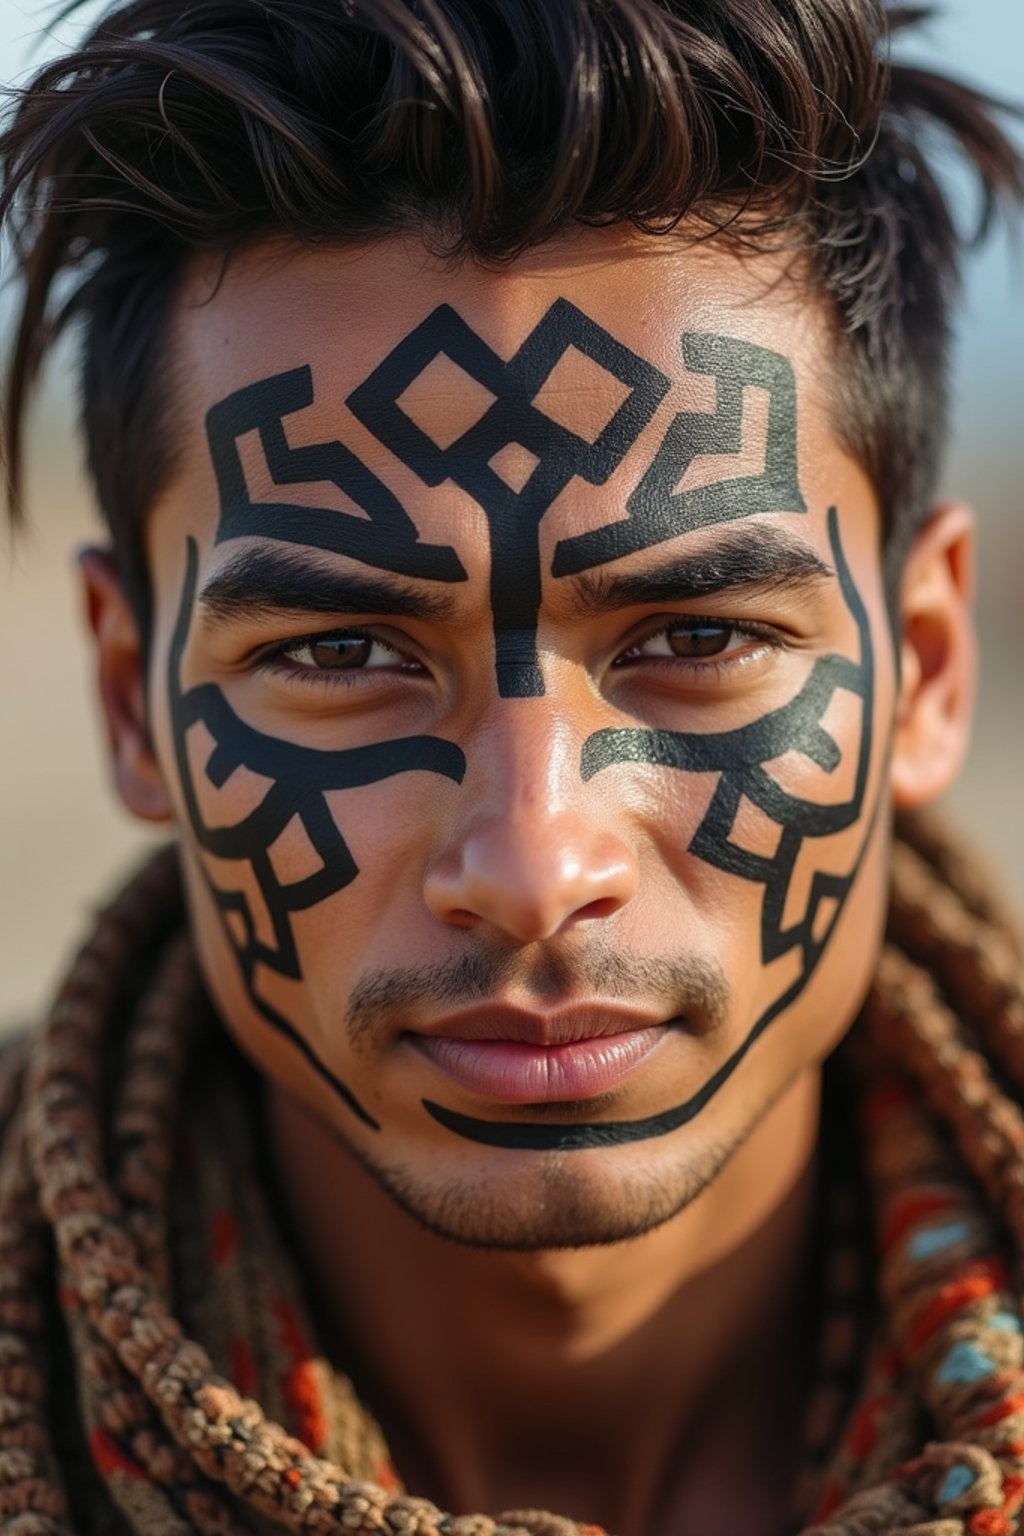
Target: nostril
606 906
460 917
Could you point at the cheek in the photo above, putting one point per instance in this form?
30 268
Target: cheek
826 783
391 826
390 829
833 997
387 829
221 971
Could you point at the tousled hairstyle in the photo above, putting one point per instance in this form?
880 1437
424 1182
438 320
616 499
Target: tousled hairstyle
490 126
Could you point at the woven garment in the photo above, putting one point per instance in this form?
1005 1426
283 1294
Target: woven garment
159 1367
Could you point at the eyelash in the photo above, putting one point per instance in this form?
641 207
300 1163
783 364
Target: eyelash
715 665
270 659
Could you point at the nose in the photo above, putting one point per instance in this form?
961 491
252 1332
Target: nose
532 850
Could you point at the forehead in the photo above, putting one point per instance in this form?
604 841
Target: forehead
341 310
598 313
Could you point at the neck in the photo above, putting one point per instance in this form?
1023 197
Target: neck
628 1385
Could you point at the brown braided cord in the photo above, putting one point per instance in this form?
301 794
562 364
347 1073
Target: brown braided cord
63 1121
952 865
933 1444
246 1297
32 1501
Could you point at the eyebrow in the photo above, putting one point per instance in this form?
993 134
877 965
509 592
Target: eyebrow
281 581
766 563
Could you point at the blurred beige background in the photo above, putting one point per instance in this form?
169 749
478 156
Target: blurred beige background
63 842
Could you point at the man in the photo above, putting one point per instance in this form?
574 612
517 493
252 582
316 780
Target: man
517 425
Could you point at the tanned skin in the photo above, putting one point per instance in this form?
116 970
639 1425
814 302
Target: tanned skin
523 693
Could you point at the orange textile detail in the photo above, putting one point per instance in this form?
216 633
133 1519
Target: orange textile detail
224 1235
989 1522
972 1282
290 1329
829 1502
905 1212
885 1099
243 1366
888 1364
303 1394
385 1474
109 1457
1013 1493
300 1385
1003 1409
863 1434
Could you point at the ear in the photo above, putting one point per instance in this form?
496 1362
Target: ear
120 671
938 654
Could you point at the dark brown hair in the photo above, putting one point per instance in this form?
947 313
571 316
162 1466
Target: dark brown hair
493 125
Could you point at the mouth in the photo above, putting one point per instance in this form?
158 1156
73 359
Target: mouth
508 1056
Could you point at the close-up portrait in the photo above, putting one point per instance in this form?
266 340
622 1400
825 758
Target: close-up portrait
511 675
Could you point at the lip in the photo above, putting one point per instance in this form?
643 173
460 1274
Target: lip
589 1020
508 1055
513 1072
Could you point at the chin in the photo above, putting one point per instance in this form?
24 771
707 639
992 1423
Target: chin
527 1203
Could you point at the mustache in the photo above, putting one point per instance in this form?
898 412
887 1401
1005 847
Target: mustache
684 984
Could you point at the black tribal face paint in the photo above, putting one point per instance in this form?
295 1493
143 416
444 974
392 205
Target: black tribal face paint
517 416
514 420
299 778
554 454
739 757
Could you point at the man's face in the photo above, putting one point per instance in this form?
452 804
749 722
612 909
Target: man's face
522 681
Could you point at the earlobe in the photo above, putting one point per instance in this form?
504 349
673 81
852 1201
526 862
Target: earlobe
938 659
120 675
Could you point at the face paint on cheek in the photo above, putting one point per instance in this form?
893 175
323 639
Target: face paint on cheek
740 757
299 778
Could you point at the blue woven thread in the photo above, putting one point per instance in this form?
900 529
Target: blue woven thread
956 1481
964 1363
932 1240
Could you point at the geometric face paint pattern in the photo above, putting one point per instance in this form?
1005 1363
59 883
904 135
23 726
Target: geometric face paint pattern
383 535
513 419
739 757
300 777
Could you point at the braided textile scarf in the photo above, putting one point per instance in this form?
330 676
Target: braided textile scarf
158 1364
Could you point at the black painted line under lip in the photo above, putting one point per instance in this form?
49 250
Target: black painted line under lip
564 1137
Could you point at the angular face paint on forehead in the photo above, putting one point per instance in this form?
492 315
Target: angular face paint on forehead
739 757
512 420
299 778
656 512
385 538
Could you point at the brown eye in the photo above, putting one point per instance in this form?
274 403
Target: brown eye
695 640
347 651
339 652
